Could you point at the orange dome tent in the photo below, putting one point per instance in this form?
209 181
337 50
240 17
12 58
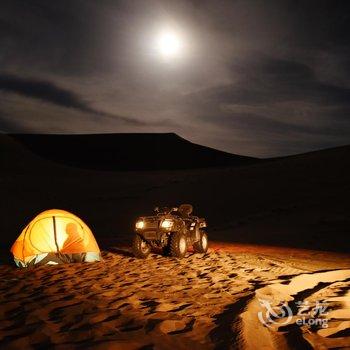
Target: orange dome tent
55 236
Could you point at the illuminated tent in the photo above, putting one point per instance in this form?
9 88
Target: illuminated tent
53 237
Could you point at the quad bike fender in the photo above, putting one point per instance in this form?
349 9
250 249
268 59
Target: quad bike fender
194 233
197 234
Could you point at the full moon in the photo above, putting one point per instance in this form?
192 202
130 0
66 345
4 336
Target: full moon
169 44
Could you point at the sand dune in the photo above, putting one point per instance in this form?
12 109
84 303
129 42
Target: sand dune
298 201
201 302
125 152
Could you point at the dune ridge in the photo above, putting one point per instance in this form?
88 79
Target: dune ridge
127 151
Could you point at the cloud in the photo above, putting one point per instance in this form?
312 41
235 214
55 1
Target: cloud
49 92
9 125
258 124
260 77
268 80
280 104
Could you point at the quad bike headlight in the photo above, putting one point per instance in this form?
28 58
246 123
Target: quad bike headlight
140 224
167 224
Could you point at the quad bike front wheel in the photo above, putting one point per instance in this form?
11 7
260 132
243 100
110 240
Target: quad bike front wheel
201 246
178 245
140 247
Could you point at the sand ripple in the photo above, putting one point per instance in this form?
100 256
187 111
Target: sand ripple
160 302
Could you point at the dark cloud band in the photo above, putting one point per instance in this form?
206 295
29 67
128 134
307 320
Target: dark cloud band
49 92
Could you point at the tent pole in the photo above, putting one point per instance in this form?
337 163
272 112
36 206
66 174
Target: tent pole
55 233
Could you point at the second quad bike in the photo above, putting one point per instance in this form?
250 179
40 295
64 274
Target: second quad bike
171 229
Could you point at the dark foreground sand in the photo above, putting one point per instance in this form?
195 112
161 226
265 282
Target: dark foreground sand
200 302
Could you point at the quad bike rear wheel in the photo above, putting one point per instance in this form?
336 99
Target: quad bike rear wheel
178 245
140 247
201 246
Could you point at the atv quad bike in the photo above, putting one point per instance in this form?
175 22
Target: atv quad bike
171 229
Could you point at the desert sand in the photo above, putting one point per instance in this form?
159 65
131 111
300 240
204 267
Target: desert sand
206 301
300 201
259 216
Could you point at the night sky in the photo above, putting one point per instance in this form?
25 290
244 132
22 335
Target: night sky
259 78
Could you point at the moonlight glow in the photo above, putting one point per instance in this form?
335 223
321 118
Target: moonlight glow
169 44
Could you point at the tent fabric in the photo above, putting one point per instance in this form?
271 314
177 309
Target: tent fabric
55 236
